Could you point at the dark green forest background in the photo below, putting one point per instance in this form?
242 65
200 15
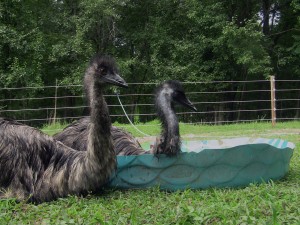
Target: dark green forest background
44 41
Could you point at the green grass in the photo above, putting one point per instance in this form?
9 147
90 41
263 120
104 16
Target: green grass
268 203
53 128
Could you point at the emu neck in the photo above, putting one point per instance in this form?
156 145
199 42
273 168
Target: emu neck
100 150
166 113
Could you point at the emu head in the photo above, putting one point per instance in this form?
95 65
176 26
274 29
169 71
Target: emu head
173 91
103 70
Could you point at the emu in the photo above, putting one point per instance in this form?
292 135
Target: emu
166 95
38 168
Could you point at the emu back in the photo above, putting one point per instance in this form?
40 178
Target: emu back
37 168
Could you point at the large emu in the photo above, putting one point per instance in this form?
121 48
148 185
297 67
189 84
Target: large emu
38 168
166 95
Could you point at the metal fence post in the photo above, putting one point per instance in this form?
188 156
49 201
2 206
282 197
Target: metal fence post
273 100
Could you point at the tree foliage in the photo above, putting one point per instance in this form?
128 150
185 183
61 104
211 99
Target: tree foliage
43 42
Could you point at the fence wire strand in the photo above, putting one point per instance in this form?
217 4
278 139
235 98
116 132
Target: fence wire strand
263 99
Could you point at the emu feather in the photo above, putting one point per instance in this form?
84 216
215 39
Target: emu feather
166 95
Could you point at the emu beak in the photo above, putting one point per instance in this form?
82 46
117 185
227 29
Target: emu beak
187 103
115 79
191 106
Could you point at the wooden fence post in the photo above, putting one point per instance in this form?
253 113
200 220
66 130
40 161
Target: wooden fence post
55 103
273 100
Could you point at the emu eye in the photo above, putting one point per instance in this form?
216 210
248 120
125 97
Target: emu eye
103 70
178 94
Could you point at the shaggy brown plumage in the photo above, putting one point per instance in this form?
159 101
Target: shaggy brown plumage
75 136
166 95
38 168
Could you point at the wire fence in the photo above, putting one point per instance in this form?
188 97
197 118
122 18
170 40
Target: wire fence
218 102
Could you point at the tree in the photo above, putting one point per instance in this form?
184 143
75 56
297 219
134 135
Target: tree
43 42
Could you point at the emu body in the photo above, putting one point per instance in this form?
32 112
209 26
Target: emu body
75 136
38 168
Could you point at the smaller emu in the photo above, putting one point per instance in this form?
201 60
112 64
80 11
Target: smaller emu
166 95
37 168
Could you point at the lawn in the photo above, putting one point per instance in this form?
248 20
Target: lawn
268 203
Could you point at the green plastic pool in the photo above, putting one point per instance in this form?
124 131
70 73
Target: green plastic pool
202 164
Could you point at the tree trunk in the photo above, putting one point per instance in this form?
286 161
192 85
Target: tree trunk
266 16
